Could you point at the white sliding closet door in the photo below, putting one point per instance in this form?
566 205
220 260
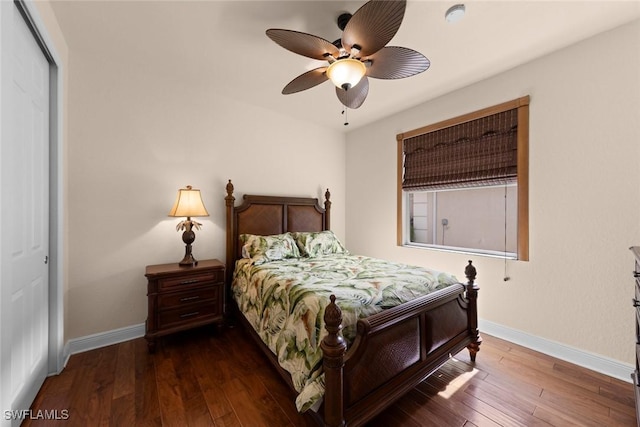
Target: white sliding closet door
24 219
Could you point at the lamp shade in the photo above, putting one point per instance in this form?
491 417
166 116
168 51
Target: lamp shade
346 73
188 203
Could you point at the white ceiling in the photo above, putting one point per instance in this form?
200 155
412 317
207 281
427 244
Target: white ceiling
223 43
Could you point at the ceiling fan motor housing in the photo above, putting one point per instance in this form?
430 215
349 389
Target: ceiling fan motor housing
343 19
342 22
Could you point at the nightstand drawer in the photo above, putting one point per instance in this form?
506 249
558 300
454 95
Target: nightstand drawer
192 279
187 314
177 299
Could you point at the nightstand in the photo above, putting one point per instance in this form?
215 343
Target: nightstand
181 298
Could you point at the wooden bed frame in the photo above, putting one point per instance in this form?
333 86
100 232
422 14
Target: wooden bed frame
393 351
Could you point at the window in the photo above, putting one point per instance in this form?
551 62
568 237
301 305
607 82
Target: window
463 183
440 218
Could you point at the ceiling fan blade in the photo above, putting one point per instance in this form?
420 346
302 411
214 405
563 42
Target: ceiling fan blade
303 44
373 26
355 96
306 81
394 62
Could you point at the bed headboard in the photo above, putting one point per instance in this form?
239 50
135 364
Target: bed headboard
266 215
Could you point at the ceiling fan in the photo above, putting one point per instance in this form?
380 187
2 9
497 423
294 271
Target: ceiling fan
359 54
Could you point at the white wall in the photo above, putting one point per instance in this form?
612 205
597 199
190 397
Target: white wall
584 198
136 135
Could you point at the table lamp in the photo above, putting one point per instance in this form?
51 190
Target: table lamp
188 204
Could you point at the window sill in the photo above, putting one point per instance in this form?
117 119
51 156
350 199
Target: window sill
466 251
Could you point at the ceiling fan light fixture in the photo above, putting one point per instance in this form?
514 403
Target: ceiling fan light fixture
455 13
359 54
346 73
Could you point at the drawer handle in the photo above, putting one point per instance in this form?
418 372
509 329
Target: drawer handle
189 298
193 313
188 282
636 303
636 273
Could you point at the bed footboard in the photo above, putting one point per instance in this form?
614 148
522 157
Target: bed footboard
395 350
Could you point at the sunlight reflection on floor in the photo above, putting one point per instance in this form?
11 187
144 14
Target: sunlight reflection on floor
452 377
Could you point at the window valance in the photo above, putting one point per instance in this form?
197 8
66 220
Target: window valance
479 152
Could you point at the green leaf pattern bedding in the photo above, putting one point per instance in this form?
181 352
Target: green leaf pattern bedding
284 301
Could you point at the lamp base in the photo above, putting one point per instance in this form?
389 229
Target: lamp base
188 261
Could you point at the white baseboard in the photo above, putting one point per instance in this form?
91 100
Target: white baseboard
595 362
102 339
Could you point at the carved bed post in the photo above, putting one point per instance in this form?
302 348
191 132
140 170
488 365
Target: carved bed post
333 350
229 200
327 209
472 296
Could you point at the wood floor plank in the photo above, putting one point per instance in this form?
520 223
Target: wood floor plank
452 402
558 417
492 413
253 405
125 376
123 411
147 405
256 363
54 395
577 404
515 406
212 391
569 413
209 378
228 420
172 408
622 418
580 377
533 394
101 398
394 417
619 397
280 392
550 381
514 385
76 399
564 393
196 410
421 407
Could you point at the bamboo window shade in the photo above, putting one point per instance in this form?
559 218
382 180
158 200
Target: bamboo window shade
479 152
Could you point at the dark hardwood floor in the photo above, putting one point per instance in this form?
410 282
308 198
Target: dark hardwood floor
210 378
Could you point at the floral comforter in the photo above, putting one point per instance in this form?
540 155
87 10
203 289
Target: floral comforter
284 301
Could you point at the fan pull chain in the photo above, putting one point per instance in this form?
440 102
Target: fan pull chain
506 277
344 111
